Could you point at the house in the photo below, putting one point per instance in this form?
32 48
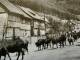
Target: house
12 18
38 23
20 21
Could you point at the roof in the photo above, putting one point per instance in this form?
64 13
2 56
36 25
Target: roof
43 15
31 13
12 8
45 19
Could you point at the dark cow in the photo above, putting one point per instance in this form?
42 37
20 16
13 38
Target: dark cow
3 52
18 47
40 43
71 40
62 40
74 35
55 42
47 43
78 34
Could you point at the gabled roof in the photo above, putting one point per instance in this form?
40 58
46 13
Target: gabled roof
43 15
31 13
12 8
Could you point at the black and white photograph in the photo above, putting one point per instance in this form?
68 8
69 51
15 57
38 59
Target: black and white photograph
39 29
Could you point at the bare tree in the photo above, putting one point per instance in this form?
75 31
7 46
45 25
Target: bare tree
55 26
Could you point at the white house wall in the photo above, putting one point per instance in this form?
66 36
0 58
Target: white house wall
14 18
22 26
36 24
42 26
1 32
9 32
42 32
25 26
17 32
3 21
17 22
35 32
39 25
27 33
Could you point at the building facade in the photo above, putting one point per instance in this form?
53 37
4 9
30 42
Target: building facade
38 22
19 21
12 18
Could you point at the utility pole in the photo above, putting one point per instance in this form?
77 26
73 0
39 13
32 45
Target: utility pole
32 27
43 11
45 22
13 33
39 29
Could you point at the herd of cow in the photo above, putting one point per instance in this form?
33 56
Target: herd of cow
20 46
59 41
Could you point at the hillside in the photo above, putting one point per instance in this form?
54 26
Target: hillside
61 8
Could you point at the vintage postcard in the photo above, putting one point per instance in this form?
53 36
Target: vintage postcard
39 29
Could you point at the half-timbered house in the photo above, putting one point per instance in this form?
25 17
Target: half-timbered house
38 23
20 21
13 18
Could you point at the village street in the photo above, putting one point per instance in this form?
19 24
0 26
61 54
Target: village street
66 53
27 25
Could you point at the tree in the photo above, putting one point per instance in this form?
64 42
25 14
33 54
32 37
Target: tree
55 26
69 26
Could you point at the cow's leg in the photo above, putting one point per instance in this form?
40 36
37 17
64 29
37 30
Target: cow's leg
38 48
56 45
50 45
9 56
27 49
0 57
53 45
46 45
18 55
63 44
60 44
22 55
73 43
42 47
70 43
4 57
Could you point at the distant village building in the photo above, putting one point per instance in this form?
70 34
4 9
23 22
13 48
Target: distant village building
38 25
19 21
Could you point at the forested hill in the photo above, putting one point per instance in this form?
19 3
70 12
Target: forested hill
62 8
